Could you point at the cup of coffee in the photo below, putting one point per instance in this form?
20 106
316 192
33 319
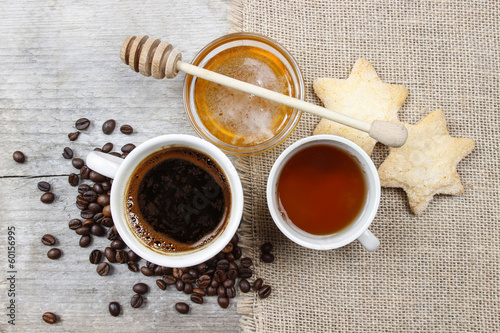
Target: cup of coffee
323 192
176 200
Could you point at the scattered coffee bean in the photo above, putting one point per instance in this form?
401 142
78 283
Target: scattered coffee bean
132 256
211 291
88 223
54 253
83 188
228 283
73 136
133 267
196 298
223 301
128 148
103 269
246 262
19 156
109 126
231 292
203 281
117 244
136 301
182 307
169 279
110 254
73 179
78 163
112 234
221 291
179 285
121 257
244 285
223 264
95 208
199 291
114 309
48 240
161 284
83 231
43 186
84 172
49 318
188 288
232 274
96 177
82 124
106 221
267 257
67 153
107 147
85 240
245 273
147 271
228 248
220 276
264 291
97 230
257 284
75 224
266 247
106 210
98 188
140 288
126 129
47 197
86 214
90 196
95 257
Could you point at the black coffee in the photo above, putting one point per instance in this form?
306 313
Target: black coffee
178 199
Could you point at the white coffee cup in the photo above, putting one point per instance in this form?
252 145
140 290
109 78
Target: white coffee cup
359 228
121 171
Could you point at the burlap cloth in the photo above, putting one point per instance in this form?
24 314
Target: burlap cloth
438 271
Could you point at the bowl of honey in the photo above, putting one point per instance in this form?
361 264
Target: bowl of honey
237 122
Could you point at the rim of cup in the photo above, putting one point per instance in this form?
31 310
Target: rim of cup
348 234
121 181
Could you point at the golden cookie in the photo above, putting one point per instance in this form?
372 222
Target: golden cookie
364 96
426 164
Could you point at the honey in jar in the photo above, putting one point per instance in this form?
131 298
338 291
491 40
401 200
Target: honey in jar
238 118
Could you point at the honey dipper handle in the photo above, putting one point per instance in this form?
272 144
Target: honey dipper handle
152 57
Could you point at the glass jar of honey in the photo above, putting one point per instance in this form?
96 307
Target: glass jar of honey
237 122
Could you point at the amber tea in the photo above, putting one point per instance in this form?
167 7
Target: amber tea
322 189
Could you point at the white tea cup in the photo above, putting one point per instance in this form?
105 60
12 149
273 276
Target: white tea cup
358 229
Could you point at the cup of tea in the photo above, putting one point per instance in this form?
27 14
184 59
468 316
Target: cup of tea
176 200
323 192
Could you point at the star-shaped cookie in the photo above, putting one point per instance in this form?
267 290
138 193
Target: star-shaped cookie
364 96
427 163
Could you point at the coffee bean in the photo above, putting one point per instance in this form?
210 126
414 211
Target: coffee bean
103 200
223 301
107 147
221 291
107 222
246 262
73 136
245 273
232 274
223 264
19 157
132 256
188 288
84 172
228 283
90 196
121 257
47 197
133 267
106 210
167 271
103 269
85 240
81 201
96 177
126 129
264 291
220 276
110 254
75 224
231 292
98 217
49 318
186 278
210 271
114 309
136 301
228 248
106 186
147 271
83 188
140 288
109 126
43 186
202 268
211 291
266 247
78 163
48 240
128 148
97 230
112 234
267 257
83 231
196 298
214 283
199 291
82 123
54 253
117 244
67 153
73 179
161 284
203 281
230 257
95 257
235 239
182 307
95 208
88 223
237 253
97 187
86 214
257 284
244 285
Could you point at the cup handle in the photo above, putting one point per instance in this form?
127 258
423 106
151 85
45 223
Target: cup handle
105 164
369 241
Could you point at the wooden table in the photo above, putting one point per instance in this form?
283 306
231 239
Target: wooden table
60 62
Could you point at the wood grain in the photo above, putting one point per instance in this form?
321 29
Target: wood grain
60 62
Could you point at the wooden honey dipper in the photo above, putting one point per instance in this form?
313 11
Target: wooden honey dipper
152 57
